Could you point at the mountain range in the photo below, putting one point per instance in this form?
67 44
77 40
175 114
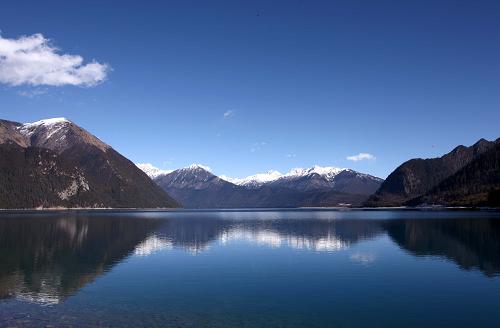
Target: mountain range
56 163
196 187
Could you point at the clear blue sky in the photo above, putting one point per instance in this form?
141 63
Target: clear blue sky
304 82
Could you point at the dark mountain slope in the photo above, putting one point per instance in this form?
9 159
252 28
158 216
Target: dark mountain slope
478 183
416 177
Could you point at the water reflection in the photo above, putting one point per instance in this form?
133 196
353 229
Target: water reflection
196 234
45 259
471 243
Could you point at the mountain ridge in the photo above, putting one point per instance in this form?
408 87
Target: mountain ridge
416 177
196 187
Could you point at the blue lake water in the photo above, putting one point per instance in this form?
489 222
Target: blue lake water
272 268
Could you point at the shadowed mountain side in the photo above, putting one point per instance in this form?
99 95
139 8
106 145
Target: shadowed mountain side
477 184
416 177
264 197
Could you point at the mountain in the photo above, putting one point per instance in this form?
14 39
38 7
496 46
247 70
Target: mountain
314 178
328 179
255 181
476 184
197 187
55 163
152 171
418 177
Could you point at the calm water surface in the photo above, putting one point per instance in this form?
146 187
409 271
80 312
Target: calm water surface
250 269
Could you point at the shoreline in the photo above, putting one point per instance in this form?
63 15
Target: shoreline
264 209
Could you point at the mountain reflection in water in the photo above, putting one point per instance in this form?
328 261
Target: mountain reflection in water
47 258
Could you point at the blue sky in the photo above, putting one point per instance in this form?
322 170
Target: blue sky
300 82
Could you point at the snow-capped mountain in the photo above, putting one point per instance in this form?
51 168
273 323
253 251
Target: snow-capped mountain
56 163
325 178
194 176
57 134
328 172
256 180
195 186
152 171
260 179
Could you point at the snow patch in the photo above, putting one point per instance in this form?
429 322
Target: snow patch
52 125
255 180
329 172
196 166
151 170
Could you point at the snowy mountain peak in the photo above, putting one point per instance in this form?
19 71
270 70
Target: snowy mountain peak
329 172
152 171
57 134
196 166
52 125
255 180
259 179
50 121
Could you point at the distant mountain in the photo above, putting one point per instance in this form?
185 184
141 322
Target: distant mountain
55 163
326 179
255 181
196 187
152 171
413 180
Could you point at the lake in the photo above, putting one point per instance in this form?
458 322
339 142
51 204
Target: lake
250 268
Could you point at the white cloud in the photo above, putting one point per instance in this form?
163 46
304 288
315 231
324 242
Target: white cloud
228 113
31 60
291 155
361 157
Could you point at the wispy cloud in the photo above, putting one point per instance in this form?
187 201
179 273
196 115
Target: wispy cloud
291 155
361 157
32 60
228 114
257 146
33 93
